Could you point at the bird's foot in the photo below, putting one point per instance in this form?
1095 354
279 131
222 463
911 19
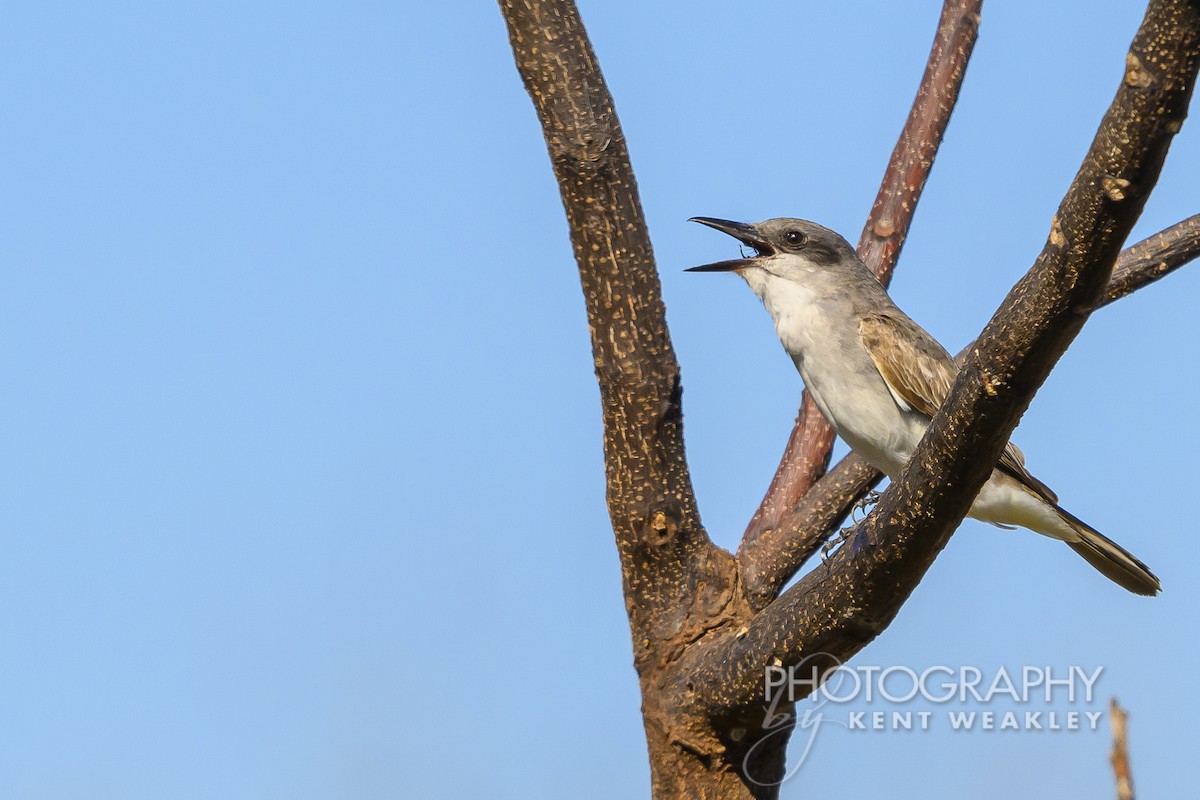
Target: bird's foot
836 540
866 501
858 511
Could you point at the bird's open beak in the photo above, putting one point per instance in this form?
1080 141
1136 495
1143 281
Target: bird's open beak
746 234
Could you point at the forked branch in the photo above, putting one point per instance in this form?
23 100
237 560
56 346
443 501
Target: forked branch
699 646
837 610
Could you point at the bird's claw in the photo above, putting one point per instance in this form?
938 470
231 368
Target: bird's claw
835 541
858 511
866 501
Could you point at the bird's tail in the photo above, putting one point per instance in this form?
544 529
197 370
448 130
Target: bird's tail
1113 561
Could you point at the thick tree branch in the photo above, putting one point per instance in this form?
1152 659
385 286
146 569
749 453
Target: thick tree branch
801 531
664 550
807 453
839 609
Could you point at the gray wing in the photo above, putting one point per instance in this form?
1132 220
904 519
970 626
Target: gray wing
919 373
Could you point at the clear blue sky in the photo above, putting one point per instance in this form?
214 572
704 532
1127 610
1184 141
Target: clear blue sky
301 457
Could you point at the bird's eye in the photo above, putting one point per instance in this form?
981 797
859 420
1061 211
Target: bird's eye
795 238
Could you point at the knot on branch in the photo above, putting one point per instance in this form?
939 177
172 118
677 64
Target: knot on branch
1116 189
661 528
584 148
1136 75
1057 239
991 383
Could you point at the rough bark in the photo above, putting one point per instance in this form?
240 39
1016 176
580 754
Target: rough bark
678 586
700 648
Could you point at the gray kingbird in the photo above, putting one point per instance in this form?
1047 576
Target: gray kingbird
878 377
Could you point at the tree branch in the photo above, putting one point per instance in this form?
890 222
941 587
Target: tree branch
838 610
806 456
1119 756
781 551
891 216
699 647
1154 257
805 526
663 547
804 461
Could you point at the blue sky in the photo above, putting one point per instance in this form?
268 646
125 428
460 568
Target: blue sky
304 492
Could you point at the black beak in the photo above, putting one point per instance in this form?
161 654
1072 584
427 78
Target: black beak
744 233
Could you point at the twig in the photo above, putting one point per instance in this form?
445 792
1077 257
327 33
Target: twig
1120 751
1154 257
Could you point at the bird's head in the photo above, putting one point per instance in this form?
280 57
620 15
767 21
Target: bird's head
792 249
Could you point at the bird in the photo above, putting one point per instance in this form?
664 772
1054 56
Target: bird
879 378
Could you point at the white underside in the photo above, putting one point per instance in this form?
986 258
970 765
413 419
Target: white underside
810 320
1002 500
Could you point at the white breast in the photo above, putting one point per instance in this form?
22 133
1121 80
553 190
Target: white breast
820 333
